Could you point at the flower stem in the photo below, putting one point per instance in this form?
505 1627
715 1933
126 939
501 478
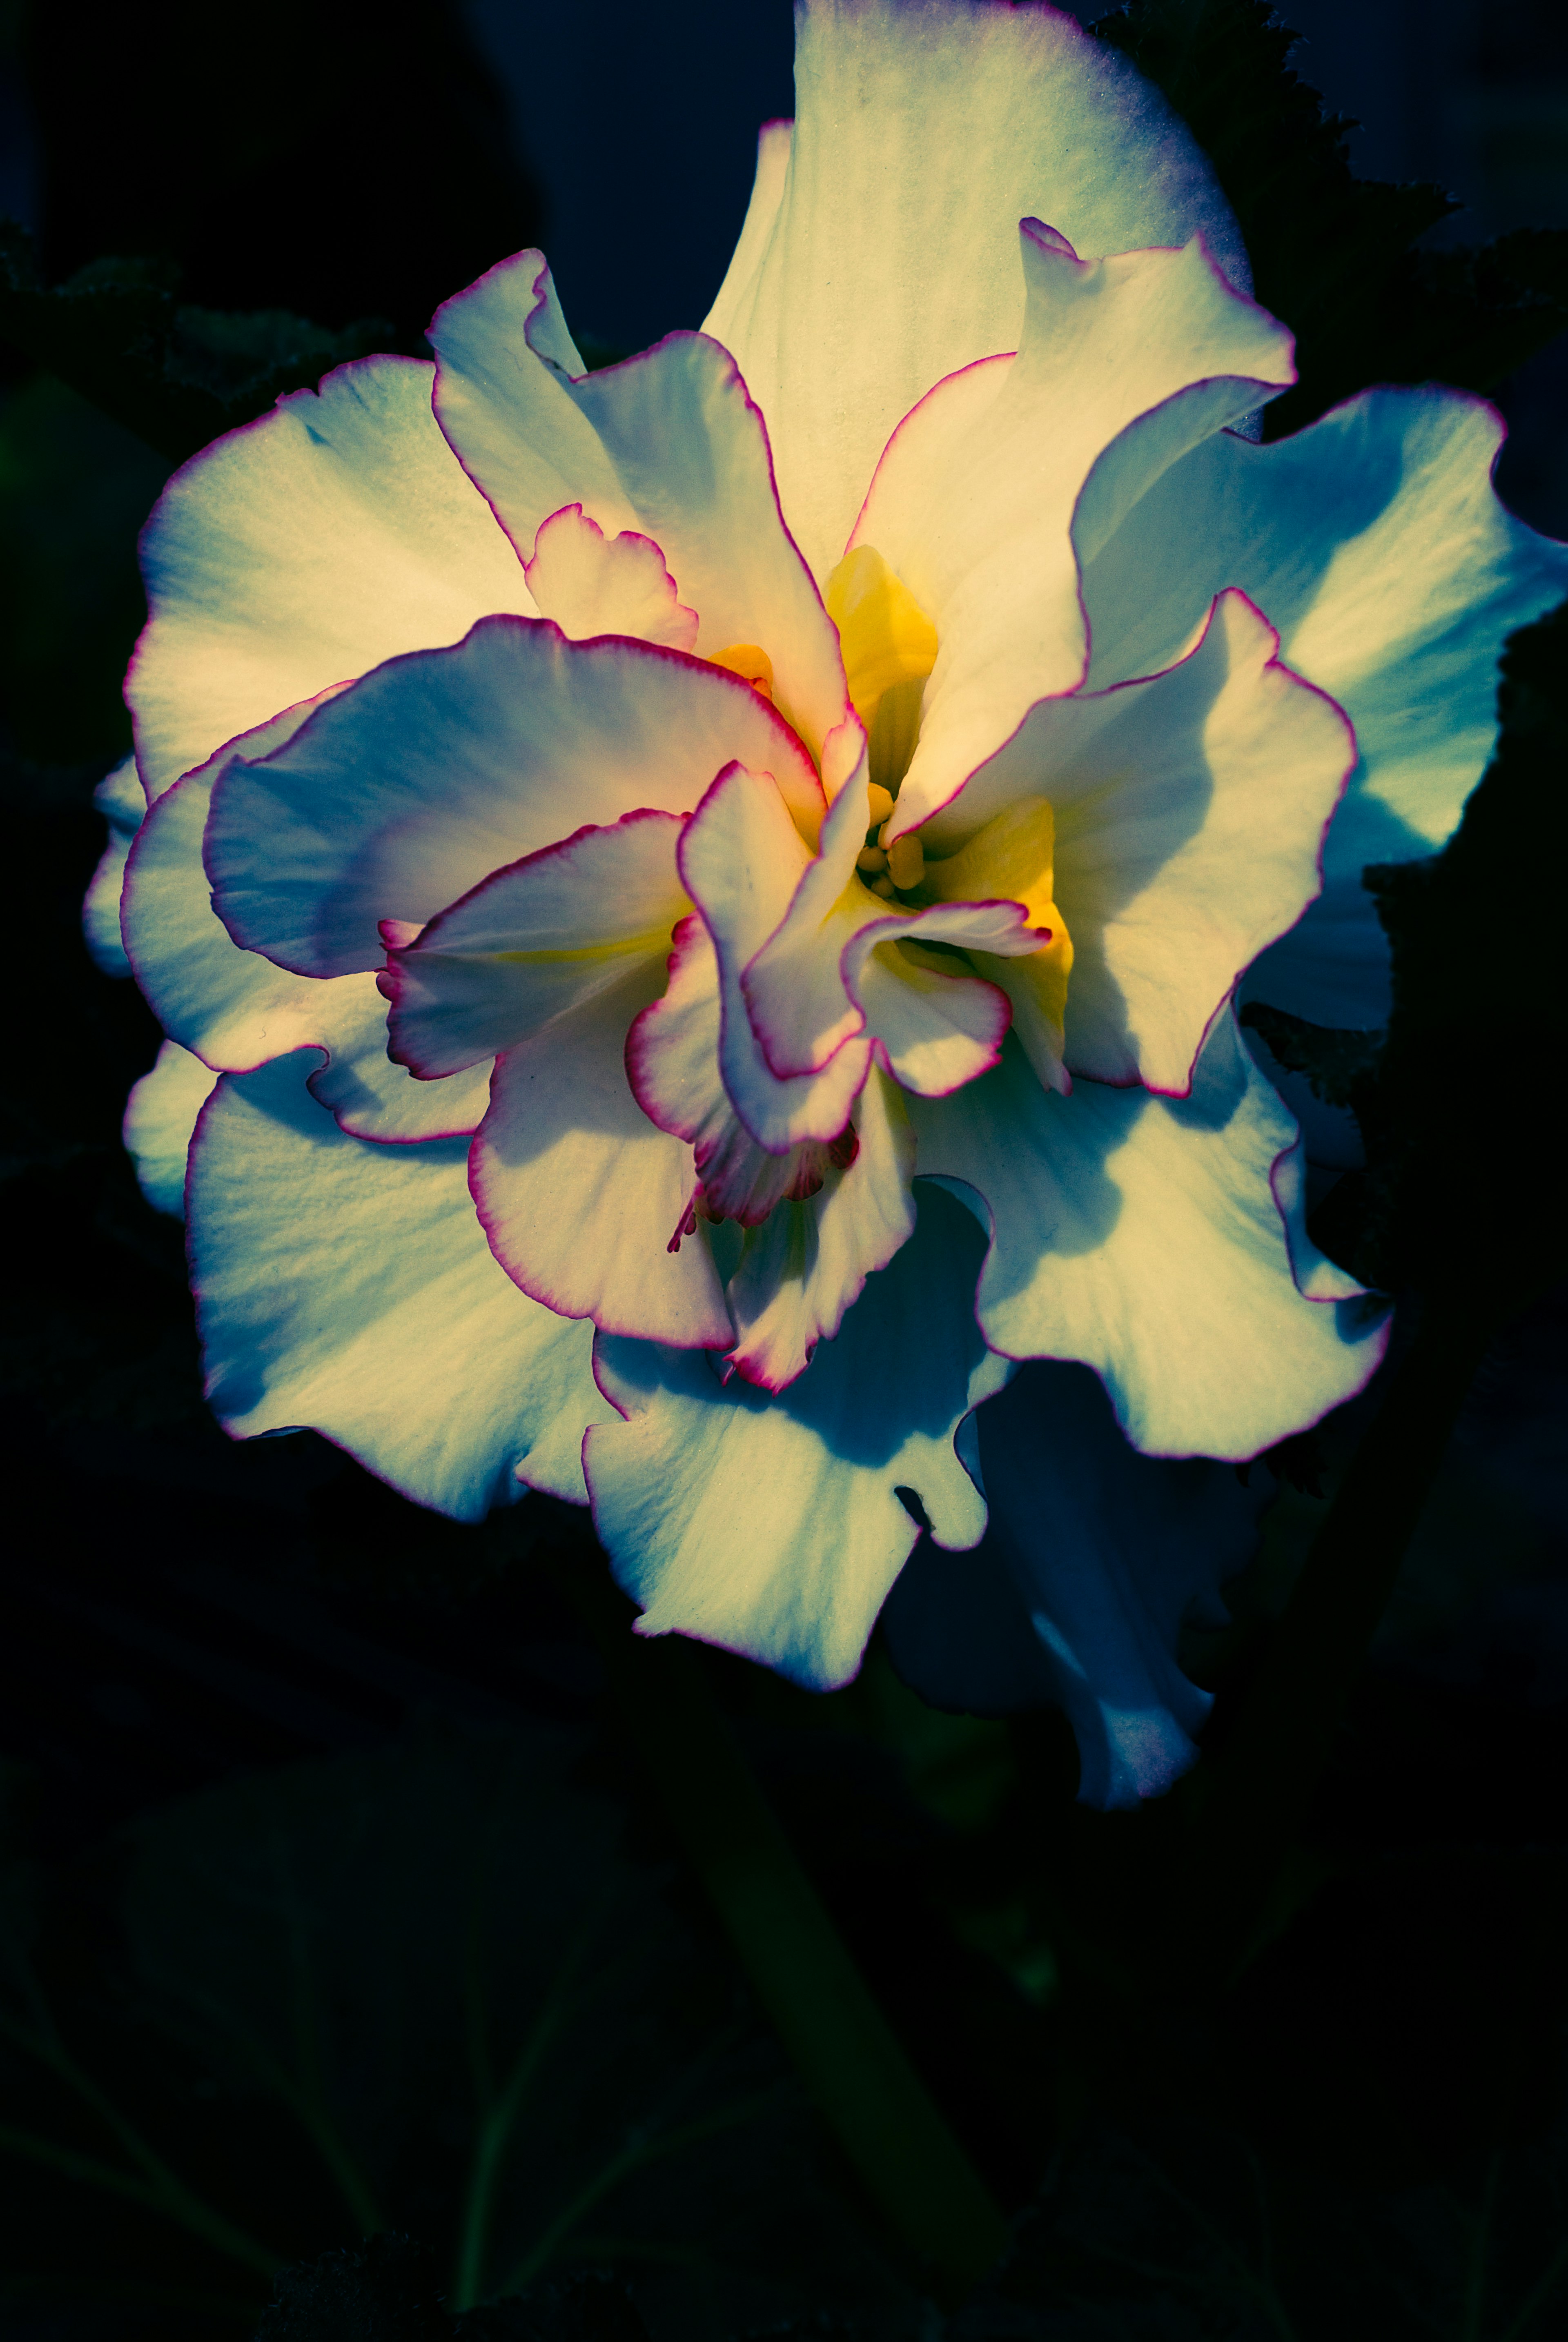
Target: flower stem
843 2048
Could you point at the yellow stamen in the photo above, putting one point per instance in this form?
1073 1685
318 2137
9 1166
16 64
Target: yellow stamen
1011 860
884 887
884 635
751 662
906 862
871 858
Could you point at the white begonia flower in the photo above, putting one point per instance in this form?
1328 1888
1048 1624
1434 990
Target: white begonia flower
709 822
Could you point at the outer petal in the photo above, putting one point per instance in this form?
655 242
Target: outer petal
160 1116
583 1199
1094 1558
1375 544
349 1287
1142 1235
302 548
925 130
237 1010
401 794
984 511
667 444
535 941
1189 814
808 1262
771 1525
119 797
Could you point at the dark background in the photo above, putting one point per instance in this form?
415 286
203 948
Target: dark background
264 1725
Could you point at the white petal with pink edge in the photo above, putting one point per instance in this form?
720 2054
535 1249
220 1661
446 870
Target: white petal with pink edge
534 941
672 1064
401 794
1190 812
741 859
349 1287
593 585
1142 1235
772 1525
305 547
808 1262
1375 542
829 970
882 256
237 1010
666 445
583 1199
978 511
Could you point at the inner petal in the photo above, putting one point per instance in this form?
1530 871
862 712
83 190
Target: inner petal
1011 859
592 585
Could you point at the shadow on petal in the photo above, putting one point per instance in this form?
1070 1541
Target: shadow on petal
1094 1558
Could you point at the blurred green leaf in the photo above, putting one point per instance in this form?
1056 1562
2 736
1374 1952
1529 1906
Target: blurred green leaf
177 376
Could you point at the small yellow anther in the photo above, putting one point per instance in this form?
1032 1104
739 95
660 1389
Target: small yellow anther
880 801
906 862
884 887
871 858
751 662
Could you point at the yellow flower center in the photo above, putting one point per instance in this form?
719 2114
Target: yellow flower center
889 648
751 662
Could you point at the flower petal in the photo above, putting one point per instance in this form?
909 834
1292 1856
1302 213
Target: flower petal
830 970
934 1029
1095 1557
667 444
808 1262
1375 544
1189 814
531 942
925 130
120 798
304 547
350 1288
773 1526
583 1199
741 859
237 1010
1142 1235
673 1063
593 585
399 795
160 1116
986 511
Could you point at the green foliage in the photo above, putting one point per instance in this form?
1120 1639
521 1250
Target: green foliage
1333 255
422 1984
387 2290
1462 1188
175 376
